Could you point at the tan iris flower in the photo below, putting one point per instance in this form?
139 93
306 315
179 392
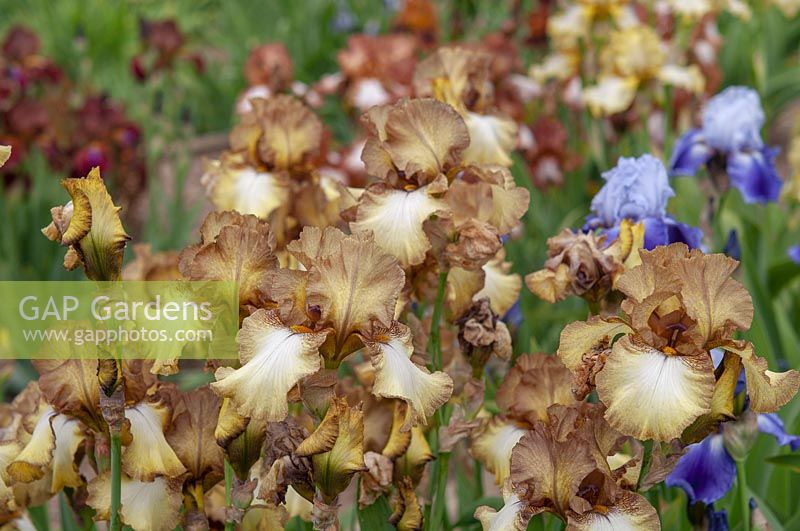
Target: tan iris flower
397 376
52 446
493 280
232 247
336 449
680 304
425 177
273 356
191 436
531 386
232 184
462 78
633 56
413 140
90 227
149 455
561 466
153 505
280 133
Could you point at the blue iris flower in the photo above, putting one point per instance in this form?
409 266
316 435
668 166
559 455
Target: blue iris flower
638 189
706 471
730 137
794 254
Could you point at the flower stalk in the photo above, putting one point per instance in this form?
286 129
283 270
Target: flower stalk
744 499
229 524
439 477
116 481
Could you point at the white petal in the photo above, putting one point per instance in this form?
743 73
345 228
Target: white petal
395 217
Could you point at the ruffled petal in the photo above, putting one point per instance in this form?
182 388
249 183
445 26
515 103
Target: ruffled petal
53 444
547 471
492 444
754 174
500 284
512 516
192 436
274 357
415 136
689 154
153 505
711 297
396 376
338 455
630 511
670 392
149 455
534 383
768 391
395 217
611 95
354 284
245 189
492 138
706 471
579 337
94 230
234 247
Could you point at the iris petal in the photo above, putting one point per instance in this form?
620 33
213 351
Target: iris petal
771 424
754 174
689 154
706 471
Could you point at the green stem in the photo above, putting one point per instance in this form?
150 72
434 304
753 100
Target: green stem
744 499
437 509
439 476
647 457
116 481
229 525
434 338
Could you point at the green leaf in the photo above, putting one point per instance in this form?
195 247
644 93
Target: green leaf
66 516
791 461
781 275
376 516
39 517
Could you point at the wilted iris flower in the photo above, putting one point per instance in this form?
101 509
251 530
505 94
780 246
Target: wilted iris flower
583 265
729 143
638 189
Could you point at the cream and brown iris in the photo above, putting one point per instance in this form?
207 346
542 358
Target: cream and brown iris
562 465
342 301
270 170
416 148
633 57
90 227
531 386
656 354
